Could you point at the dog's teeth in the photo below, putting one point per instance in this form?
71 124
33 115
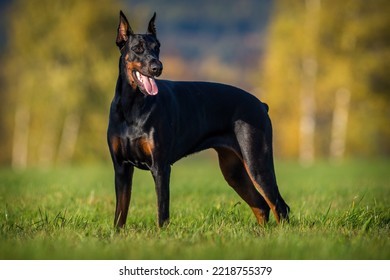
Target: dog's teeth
139 76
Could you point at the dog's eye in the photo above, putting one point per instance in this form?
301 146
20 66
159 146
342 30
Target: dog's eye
138 49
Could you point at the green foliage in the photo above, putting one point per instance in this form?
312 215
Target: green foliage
61 60
352 51
339 212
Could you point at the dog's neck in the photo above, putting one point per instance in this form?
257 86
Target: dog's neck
127 99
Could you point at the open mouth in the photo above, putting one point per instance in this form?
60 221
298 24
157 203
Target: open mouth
146 84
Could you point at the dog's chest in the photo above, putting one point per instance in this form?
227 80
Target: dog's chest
134 147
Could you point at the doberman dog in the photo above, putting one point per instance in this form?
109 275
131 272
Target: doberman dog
153 123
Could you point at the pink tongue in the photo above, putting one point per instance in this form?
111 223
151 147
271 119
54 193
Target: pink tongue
149 85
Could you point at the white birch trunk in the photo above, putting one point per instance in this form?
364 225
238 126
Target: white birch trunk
340 124
309 78
69 137
308 108
20 141
48 144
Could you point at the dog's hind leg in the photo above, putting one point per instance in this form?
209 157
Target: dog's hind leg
265 183
256 149
235 174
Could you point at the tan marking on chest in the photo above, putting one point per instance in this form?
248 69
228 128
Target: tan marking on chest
146 146
115 144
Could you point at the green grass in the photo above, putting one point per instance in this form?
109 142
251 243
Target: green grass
339 212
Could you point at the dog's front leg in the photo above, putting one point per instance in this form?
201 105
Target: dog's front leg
161 176
123 184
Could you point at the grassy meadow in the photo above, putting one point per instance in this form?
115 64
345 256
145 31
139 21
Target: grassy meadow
339 211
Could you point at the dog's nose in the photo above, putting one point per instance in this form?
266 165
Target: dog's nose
155 68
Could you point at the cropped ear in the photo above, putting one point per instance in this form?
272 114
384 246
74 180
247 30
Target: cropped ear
124 31
152 26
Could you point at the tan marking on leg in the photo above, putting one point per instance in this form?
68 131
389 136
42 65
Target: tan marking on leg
230 160
260 216
260 190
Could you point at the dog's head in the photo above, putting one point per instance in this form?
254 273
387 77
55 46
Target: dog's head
139 55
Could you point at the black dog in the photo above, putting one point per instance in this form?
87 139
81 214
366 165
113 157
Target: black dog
154 123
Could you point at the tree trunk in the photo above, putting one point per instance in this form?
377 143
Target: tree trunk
20 141
339 123
308 108
309 78
47 147
69 137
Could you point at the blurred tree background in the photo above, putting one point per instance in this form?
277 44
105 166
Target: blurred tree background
326 78
321 65
58 72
